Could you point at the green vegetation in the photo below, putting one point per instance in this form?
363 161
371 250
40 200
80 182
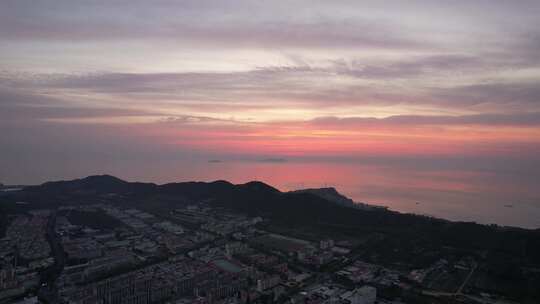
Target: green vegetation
93 219
508 258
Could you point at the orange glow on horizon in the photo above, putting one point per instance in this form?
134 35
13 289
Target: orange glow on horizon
304 139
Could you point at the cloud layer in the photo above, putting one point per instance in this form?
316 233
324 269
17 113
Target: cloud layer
393 100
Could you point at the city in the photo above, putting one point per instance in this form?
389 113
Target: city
269 152
121 251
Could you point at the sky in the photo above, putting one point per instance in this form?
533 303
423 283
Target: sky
181 90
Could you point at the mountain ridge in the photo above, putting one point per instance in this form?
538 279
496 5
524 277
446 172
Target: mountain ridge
255 197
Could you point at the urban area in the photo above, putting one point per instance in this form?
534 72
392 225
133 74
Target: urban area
102 253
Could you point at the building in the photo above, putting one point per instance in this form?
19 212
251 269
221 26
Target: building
362 295
326 244
268 282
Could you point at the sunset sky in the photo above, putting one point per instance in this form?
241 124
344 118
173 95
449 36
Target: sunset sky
154 90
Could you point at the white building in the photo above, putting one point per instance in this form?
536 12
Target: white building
326 244
362 295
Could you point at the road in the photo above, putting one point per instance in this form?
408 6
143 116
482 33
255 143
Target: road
459 291
48 292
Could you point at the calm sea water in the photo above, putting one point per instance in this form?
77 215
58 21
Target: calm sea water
502 197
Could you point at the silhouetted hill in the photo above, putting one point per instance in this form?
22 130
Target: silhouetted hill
217 191
328 193
197 190
92 184
260 186
332 195
312 208
413 239
253 197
